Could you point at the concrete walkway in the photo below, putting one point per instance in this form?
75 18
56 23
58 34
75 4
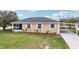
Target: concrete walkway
71 39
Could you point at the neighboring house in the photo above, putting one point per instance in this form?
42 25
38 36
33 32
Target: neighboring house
37 24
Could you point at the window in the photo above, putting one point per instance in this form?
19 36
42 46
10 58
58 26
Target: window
51 25
39 26
17 26
28 26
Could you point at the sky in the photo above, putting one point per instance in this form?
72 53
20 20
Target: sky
54 14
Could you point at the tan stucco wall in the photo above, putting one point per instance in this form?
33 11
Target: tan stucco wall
45 28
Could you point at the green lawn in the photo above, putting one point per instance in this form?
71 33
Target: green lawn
10 39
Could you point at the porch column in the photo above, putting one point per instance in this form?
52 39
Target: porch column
76 27
58 28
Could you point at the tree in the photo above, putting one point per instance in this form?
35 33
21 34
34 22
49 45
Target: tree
63 20
6 17
73 20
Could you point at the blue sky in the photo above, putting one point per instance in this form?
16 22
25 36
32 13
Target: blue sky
54 14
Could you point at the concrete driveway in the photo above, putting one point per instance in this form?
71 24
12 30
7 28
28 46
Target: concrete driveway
71 38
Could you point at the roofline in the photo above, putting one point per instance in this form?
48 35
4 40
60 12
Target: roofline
33 22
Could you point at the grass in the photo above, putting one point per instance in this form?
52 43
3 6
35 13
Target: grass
9 40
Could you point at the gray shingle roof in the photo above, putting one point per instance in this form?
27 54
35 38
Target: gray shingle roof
37 19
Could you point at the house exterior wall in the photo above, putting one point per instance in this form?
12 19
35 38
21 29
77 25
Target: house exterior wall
45 28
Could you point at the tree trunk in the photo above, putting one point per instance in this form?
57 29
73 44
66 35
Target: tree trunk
4 28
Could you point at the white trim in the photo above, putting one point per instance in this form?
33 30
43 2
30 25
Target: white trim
34 22
58 32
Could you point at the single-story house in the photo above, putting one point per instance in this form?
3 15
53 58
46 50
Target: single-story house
37 24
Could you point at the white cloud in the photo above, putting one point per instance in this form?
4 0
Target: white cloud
64 14
20 15
61 14
75 13
55 14
53 17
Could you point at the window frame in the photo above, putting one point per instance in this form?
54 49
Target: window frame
51 27
39 27
30 26
16 27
